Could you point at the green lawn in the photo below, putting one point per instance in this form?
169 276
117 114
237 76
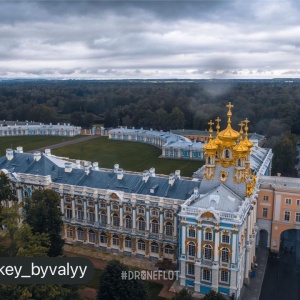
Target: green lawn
153 288
129 155
31 142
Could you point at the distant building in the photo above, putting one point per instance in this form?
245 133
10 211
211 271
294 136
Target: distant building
11 128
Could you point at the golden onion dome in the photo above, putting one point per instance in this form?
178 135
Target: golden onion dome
247 143
211 145
240 147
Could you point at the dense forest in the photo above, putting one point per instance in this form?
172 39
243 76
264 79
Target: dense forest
272 106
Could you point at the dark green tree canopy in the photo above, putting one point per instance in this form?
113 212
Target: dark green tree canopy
213 295
44 216
112 287
184 294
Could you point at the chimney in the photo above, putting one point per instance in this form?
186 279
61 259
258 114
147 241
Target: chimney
120 174
171 179
20 149
48 152
146 176
37 155
78 164
87 170
116 168
152 172
177 174
68 167
9 154
196 192
95 166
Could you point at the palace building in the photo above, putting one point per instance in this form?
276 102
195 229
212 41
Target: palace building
207 224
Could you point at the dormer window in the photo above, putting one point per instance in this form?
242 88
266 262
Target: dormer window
227 153
239 162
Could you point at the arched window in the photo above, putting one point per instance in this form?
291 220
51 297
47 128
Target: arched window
207 252
225 255
191 249
69 213
128 222
239 163
115 220
115 240
141 245
128 242
169 229
92 237
169 249
154 226
103 219
79 214
80 234
209 160
141 224
154 212
168 214
154 247
91 216
227 153
103 238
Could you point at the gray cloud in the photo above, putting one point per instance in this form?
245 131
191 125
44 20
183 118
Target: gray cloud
189 39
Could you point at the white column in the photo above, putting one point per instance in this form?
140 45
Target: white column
234 247
133 217
62 207
96 211
183 235
108 213
121 215
161 222
147 219
182 272
199 242
216 249
84 210
73 209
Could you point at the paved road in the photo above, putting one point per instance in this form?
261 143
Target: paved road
63 144
282 278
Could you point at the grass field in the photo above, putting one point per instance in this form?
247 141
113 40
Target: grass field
31 142
129 155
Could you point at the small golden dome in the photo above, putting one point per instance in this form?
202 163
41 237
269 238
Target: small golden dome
241 147
211 145
247 143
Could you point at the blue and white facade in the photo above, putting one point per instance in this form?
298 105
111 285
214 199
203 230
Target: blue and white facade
39 129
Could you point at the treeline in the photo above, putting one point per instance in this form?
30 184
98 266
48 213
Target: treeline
272 107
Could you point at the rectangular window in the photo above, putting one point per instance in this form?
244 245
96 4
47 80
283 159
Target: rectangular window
128 243
192 233
265 212
225 238
288 201
224 276
103 239
298 201
191 269
266 198
115 206
102 204
206 275
127 208
287 215
208 236
297 219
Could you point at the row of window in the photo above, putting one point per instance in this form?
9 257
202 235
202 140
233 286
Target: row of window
206 274
208 252
140 209
286 217
208 236
287 200
141 244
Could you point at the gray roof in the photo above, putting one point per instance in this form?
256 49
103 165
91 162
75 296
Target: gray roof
219 198
207 185
102 179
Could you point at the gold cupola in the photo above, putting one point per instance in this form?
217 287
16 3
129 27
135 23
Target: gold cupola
241 148
211 145
245 141
229 136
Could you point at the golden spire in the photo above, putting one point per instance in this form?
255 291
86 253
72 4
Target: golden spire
210 123
241 131
229 114
246 126
218 120
246 142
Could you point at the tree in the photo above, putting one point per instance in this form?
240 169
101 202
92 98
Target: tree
184 294
44 216
112 287
213 295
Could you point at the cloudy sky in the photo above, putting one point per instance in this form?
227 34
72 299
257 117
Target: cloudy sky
149 39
